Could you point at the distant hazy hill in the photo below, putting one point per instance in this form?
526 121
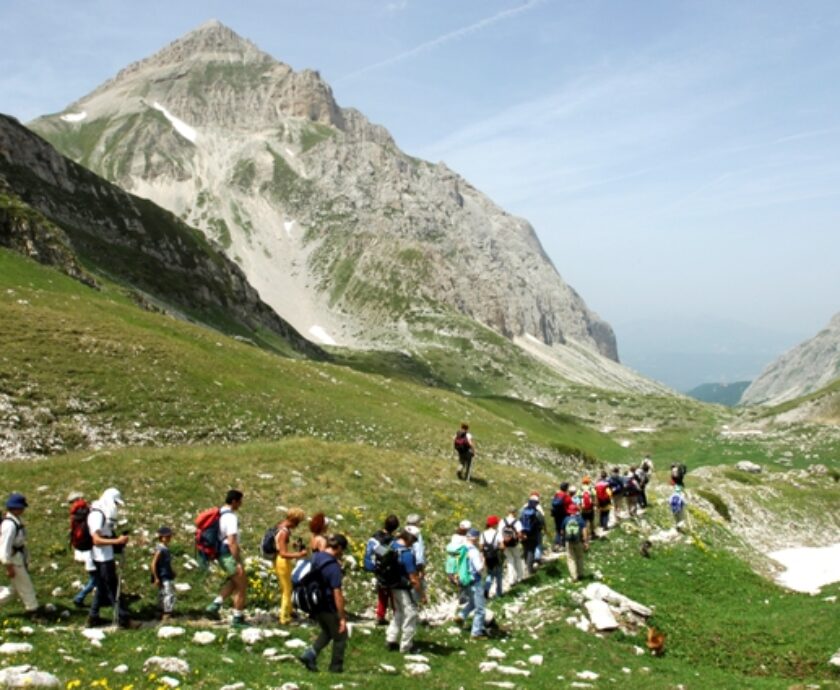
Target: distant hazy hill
805 369
728 394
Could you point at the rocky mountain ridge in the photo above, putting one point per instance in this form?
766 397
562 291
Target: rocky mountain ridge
348 238
808 367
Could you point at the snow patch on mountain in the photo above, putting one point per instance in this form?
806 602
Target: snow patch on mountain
189 133
74 117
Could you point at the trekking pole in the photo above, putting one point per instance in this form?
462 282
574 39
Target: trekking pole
120 561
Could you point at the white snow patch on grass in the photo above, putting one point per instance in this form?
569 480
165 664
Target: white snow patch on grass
73 117
808 568
189 133
321 335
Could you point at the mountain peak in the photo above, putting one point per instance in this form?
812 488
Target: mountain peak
212 40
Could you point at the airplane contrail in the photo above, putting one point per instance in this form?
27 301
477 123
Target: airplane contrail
445 38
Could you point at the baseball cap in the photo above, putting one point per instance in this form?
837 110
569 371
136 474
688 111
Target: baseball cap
473 533
413 530
464 524
493 520
413 519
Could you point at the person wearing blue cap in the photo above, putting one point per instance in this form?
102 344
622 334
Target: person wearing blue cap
14 556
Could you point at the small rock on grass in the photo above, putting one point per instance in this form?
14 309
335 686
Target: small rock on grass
15 648
168 631
167 664
122 668
417 658
387 668
204 637
170 681
233 686
495 653
417 669
535 659
295 643
27 677
501 684
587 675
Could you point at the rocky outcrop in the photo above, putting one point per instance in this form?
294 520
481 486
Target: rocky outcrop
807 368
53 209
346 236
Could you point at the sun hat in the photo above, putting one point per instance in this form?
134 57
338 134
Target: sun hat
493 520
16 502
464 524
413 530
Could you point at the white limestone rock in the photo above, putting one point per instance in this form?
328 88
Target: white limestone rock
167 664
204 637
417 669
495 653
295 643
747 466
27 677
166 632
10 648
601 615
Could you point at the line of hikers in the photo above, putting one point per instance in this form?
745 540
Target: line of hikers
476 560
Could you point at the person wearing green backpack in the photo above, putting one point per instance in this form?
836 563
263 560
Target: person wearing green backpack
577 542
474 586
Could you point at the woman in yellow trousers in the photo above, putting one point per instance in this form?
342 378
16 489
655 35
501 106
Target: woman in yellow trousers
283 561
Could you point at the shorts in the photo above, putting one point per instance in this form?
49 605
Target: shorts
228 564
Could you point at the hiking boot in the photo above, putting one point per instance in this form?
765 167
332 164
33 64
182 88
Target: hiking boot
128 624
309 662
480 636
35 616
166 618
212 609
381 621
96 622
393 646
239 622
78 603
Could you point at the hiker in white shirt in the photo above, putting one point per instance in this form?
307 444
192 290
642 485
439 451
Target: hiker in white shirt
511 532
492 548
230 560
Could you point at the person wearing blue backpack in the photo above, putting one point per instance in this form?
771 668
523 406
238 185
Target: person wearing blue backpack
533 524
406 593
331 618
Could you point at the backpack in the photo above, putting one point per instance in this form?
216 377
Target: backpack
677 503
616 483
207 539
80 537
572 530
389 571
602 494
678 472
308 588
377 545
492 558
530 519
509 536
268 545
462 443
457 566
558 506
586 503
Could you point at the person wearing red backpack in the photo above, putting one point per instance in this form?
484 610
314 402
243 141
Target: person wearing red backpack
603 495
81 542
230 560
586 501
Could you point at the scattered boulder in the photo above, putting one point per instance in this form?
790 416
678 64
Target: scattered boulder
169 681
167 664
416 658
166 632
513 671
835 660
587 675
417 669
251 635
204 637
295 643
495 653
747 466
15 648
27 677
601 615
387 668
122 668
535 659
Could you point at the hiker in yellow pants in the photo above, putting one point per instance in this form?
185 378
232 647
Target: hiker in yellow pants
283 561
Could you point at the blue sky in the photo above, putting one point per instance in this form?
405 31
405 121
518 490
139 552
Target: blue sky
680 161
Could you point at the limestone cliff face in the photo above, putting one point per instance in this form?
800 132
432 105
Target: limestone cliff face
805 369
343 234
55 211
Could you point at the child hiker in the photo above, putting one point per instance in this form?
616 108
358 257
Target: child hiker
163 577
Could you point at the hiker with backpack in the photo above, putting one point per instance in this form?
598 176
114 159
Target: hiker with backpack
603 494
81 543
375 548
403 581
224 532
559 509
14 556
616 482
419 551
474 587
533 523
677 504
283 558
492 549
456 567
101 523
331 616
678 472
511 539
465 447
162 573
586 500
577 541
631 491
643 476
